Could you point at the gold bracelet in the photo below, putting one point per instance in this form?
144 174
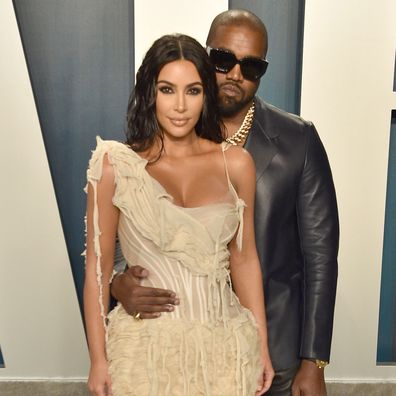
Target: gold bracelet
320 364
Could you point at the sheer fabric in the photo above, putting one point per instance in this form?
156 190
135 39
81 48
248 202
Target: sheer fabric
209 345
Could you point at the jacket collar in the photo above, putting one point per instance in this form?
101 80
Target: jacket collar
261 142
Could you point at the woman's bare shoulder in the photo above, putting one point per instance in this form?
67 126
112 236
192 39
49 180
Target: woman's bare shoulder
239 160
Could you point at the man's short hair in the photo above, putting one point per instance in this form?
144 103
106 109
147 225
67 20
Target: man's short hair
238 18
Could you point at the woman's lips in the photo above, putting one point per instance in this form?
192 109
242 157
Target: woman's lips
179 121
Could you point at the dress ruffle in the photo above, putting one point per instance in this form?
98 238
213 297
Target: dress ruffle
172 358
165 356
185 240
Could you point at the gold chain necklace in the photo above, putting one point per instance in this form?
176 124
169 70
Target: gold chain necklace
241 134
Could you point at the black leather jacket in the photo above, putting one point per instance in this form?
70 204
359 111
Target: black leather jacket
296 225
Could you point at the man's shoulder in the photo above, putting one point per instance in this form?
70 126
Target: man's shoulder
276 121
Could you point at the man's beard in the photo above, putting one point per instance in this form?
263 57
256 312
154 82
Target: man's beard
229 106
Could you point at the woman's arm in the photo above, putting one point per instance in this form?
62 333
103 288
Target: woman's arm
100 252
244 263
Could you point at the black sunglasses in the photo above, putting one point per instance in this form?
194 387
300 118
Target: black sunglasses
252 68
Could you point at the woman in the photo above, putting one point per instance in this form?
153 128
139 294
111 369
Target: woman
181 203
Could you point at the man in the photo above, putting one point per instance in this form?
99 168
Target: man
296 219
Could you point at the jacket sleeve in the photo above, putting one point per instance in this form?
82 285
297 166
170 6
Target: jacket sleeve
319 235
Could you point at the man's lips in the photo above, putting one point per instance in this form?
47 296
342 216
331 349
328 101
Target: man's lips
230 89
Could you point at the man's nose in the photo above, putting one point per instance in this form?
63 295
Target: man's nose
235 73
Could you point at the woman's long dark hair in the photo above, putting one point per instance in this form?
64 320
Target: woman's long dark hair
142 124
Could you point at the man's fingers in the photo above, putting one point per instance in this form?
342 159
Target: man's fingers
153 315
154 292
138 272
149 309
149 300
146 300
156 308
154 311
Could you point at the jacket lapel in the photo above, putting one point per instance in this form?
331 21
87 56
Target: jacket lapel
261 143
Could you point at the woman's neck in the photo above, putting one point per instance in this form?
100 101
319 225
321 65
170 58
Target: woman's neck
177 147
182 147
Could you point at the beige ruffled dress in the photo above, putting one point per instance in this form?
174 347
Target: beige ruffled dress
209 345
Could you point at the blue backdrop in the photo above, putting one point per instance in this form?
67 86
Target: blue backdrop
386 352
80 62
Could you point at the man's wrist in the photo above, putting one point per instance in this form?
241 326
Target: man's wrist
117 277
320 364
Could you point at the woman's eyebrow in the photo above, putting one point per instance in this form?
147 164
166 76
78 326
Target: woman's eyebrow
188 85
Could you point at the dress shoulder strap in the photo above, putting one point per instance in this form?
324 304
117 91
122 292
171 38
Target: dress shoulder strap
224 147
239 203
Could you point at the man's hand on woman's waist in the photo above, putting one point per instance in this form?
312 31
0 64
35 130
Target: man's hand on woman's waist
149 302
